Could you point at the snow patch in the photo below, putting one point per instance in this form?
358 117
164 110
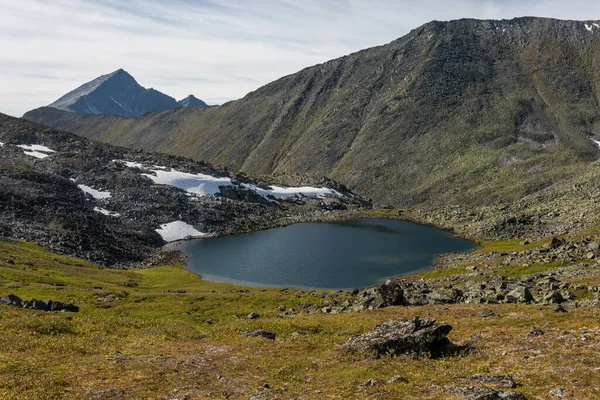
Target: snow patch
199 184
97 194
106 212
283 193
36 154
35 150
592 26
1 144
597 142
178 230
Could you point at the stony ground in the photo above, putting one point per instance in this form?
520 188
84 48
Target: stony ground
163 333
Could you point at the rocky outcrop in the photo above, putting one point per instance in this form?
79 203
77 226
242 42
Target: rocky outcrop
42 305
483 393
402 336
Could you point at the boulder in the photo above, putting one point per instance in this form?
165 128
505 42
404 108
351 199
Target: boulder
403 335
11 300
519 295
483 393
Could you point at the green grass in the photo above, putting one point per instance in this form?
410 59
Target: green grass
154 342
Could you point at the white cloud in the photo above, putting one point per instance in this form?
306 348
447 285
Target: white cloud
216 49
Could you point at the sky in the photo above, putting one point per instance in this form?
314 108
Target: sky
218 50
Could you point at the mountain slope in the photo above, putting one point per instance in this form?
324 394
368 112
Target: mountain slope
117 93
116 206
462 111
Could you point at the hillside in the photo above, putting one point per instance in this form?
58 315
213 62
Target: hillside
116 206
466 111
118 93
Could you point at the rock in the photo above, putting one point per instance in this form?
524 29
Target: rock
396 379
505 381
560 309
558 392
253 315
11 300
553 298
488 314
368 383
519 295
261 333
536 332
42 305
403 335
482 393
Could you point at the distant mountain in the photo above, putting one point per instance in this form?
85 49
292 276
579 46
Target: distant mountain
192 101
460 112
118 93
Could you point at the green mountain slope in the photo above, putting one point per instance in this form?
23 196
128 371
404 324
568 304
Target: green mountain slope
463 111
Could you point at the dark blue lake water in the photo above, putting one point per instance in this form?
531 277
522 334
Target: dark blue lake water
341 255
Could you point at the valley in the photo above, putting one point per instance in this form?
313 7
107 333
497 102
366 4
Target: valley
443 191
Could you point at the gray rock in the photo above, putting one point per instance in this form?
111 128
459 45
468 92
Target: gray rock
482 393
519 295
403 335
397 379
11 300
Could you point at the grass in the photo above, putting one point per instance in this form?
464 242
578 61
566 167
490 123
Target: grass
174 335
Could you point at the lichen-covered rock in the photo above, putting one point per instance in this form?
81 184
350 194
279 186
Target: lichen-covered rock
403 335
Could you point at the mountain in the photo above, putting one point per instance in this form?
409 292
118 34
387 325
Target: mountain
192 101
460 112
116 206
118 93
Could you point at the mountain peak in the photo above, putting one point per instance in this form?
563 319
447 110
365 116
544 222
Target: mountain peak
117 93
192 101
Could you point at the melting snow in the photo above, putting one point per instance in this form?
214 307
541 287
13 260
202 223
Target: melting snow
281 192
36 150
199 184
203 185
591 27
106 212
178 230
97 194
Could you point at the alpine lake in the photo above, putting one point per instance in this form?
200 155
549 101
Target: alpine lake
331 255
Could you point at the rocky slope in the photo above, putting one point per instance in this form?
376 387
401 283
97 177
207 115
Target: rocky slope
118 93
454 112
115 206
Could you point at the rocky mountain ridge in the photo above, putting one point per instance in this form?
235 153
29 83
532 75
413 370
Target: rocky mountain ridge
460 112
115 206
118 93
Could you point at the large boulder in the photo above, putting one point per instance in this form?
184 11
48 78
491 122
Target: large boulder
520 294
403 335
11 300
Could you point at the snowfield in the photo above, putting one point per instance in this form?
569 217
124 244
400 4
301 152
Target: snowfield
283 193
97 194
204 185
178 230
199 184
36 150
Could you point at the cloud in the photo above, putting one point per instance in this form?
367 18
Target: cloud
216 49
